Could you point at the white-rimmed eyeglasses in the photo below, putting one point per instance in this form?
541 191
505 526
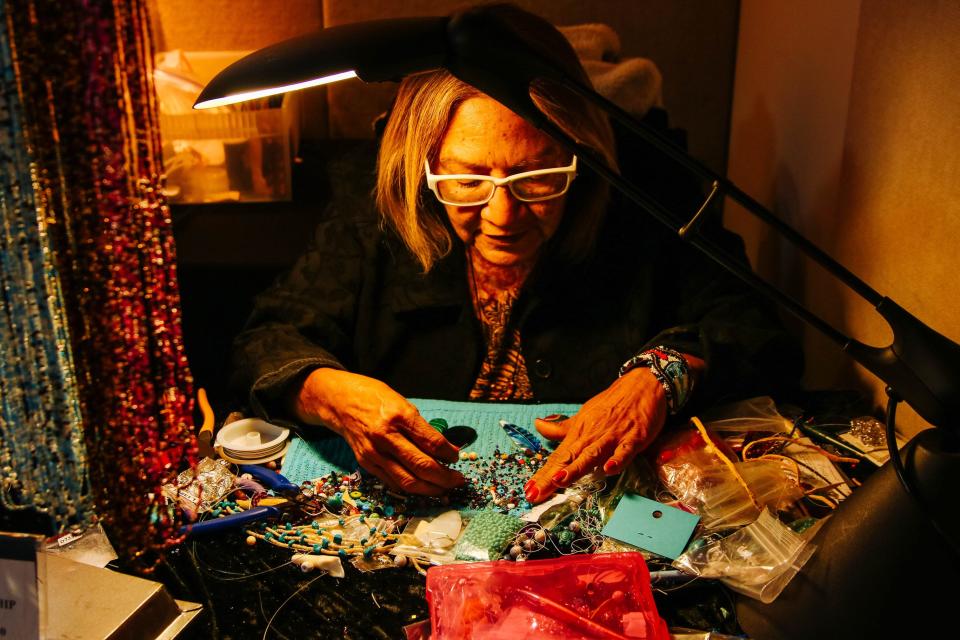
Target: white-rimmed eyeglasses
467 190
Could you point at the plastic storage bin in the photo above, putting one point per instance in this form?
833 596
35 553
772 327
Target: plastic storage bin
241 152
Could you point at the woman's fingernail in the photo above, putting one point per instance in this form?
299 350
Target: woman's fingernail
532 493
559 477
611 467
555 417
527 486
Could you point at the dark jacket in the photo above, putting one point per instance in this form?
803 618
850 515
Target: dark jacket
358 301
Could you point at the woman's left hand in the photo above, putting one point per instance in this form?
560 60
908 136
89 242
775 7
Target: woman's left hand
609 431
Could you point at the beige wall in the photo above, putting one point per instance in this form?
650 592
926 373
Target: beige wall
845 122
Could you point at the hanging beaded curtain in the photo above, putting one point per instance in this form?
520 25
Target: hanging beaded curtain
84 70
42 456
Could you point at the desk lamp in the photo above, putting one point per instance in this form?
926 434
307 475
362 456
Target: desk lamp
874 549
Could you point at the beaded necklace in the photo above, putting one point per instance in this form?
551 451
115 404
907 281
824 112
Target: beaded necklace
503 373
42 456
84 70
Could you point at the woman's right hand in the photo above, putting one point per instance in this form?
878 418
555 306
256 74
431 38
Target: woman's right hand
389 437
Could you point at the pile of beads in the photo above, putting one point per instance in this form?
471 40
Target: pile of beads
577 532
496 482
493 483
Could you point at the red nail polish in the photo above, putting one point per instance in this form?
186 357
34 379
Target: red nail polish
532 494
527 486
612 467
559 477
555 417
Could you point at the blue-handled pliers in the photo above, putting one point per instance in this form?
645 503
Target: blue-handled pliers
297 504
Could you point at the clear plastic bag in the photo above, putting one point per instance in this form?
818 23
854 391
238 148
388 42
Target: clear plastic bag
703 482
486 536
758 560
430 539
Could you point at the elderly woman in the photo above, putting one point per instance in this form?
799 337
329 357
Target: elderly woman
496 269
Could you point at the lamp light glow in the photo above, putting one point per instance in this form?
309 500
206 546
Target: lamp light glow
272 91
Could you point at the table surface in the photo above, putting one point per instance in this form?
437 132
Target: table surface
255 592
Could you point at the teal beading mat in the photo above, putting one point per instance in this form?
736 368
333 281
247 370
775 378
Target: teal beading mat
310 459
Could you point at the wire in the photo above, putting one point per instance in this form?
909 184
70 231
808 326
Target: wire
292 596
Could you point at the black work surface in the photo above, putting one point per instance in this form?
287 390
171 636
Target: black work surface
223 574
220 573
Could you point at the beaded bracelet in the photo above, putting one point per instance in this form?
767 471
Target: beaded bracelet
670 369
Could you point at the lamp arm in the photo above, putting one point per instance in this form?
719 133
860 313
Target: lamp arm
922 365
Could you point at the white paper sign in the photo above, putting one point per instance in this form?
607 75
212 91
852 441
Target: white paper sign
19 601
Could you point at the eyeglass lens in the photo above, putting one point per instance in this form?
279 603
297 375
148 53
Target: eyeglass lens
478 190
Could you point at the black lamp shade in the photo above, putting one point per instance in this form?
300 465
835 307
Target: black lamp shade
376 51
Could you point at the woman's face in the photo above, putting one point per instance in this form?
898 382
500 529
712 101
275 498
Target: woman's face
486 138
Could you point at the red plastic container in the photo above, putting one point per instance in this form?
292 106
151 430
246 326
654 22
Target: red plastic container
600 596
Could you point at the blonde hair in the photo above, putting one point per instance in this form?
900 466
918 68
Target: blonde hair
423 109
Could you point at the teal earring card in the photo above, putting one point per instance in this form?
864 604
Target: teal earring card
651 525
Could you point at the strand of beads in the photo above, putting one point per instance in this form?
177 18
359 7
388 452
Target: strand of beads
42 456
83 70
338 539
